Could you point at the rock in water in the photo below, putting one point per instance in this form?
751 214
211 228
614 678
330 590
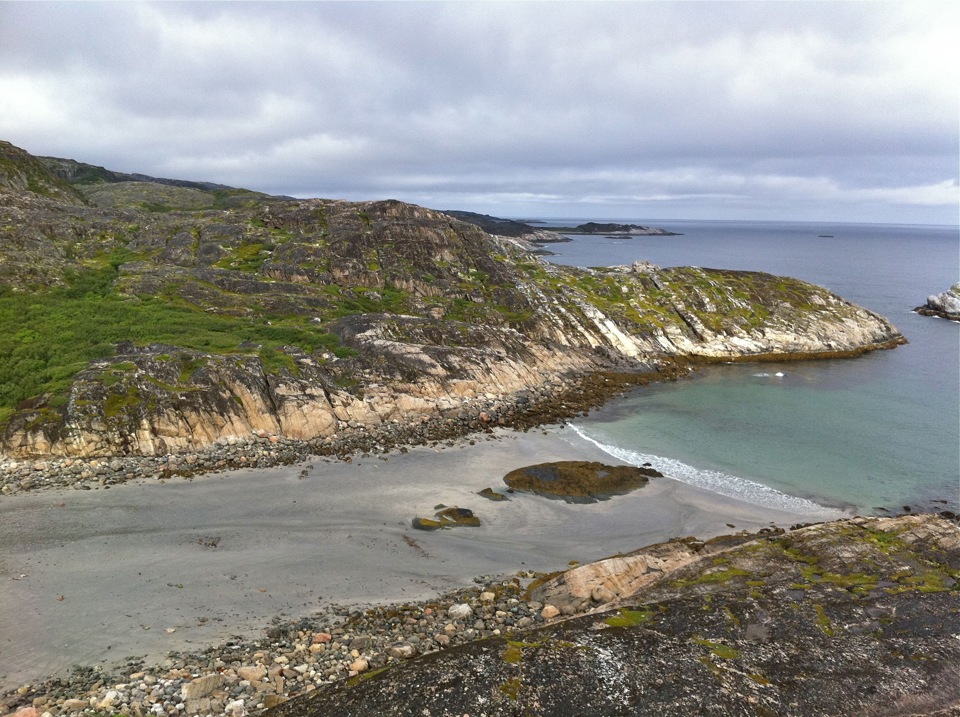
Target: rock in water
945 304
579 481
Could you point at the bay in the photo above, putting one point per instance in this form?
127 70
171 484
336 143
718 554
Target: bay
870 434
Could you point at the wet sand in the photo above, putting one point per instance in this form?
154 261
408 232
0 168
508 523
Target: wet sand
90 577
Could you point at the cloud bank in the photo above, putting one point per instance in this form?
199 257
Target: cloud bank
739 110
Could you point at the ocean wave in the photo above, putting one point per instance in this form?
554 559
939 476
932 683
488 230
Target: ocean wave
725 484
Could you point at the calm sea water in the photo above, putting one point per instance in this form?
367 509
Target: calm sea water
881 431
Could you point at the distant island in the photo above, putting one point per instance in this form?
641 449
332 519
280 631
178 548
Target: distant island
614 229
523 231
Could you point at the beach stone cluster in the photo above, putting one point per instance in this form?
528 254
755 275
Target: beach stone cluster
555 401
240 677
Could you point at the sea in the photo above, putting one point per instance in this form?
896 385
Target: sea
874 435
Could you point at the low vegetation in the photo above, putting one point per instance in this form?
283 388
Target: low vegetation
49 336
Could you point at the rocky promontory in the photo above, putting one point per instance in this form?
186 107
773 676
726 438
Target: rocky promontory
146 318
946 304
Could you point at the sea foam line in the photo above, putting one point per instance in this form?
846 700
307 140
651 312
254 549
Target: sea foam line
725 484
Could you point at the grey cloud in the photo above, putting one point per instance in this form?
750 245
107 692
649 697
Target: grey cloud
526 102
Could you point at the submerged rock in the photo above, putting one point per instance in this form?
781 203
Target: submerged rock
579 481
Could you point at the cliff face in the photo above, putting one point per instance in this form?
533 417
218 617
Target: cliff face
853 617
206 312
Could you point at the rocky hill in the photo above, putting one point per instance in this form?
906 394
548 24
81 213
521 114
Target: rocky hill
155 317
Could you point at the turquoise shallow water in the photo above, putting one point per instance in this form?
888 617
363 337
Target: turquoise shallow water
878 432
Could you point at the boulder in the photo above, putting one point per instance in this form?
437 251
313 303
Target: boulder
579 481
946 304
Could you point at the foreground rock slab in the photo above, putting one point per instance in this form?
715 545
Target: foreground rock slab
853 617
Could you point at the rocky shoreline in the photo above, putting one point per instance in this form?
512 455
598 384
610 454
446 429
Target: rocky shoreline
341 649
293 657
555 401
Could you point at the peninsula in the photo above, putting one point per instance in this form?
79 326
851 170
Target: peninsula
147 318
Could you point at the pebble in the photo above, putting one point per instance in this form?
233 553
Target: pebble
241 677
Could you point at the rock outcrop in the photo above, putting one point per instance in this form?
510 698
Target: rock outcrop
205 313
853 617
946 304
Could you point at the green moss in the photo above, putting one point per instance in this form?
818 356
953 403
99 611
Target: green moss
364 676
189 366
927 580
714 577
247 257
118 403
513 654
718 649
734 620
823 621
859 581
511 688
629 618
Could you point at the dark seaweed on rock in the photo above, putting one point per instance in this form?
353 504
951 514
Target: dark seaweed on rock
579 481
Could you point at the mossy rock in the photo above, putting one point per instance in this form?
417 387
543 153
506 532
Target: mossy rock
459 516
447 518
491 494
426 524
579 481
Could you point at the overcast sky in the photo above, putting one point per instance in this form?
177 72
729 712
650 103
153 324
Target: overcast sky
643 110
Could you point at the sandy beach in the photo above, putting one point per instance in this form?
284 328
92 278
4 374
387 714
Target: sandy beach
90 577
